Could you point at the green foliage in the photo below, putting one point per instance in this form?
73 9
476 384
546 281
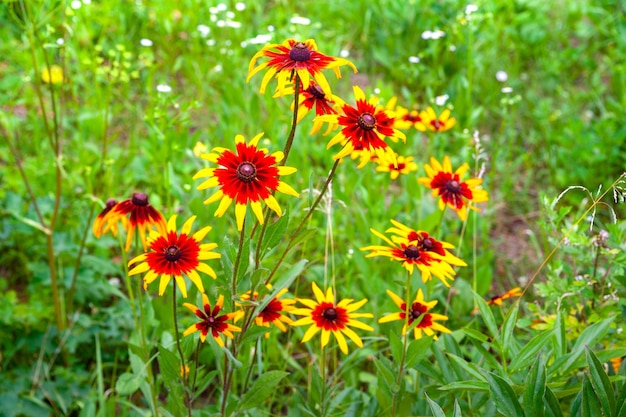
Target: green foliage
79 337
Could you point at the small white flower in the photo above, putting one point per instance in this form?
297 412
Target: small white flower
204 30
470 8
377 90
240 6
221 23
299 20
271 28
60 41
452 48
233 24
145 42
260 39
438 34
441 100
164 88
76 4
502 76
414 59
86 1
427 34
213 10
344 53
230 15
210 42
114 282
222 7
507 90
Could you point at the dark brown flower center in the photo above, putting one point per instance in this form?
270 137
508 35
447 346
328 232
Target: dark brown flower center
453 186
110 203
172 253
300 52
428 243
316 91
139 199
367 121
412 252
210 319
330 314
246 172
415 313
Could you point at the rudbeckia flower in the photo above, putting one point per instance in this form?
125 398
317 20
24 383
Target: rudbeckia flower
211 320
497 299
439 123
141 216
418 310
397 165
364 127
273 312
330 317
293 57
419 252
250 174
424 242
100 226
175 255
447 184
405 119
314 97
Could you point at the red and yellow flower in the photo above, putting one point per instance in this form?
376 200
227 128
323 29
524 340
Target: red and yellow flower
497 299
175 255
424 241
418 310
417 250
324 315
397 165
314 98
405 119
134 213
100 225
249 175
273 312
364 127
436 123
293 57
453 192
211 320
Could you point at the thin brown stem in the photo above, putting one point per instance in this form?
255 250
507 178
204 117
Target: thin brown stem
303 221
180 351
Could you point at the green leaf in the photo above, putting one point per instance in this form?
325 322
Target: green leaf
487 315
476 335
589 336
529 352
127 383
170 367
590 404
553 403
261 389
435 408
469 367
560 343
285 279
417 351
535 389
504 396
466 386
508 327
621 402
274 233
601 384
396 346
457 409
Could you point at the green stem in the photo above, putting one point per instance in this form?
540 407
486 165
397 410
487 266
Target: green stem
294 120
303 221
233 287
180 350
286 151
405 337
323 388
